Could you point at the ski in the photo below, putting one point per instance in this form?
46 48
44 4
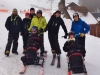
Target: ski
23 70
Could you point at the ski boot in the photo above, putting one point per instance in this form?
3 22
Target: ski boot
24 51
53 60
16 53
7 53
58 63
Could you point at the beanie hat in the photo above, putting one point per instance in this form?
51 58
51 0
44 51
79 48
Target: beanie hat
71 33
75 14
39 11
58 11
32 9
27 14
15 10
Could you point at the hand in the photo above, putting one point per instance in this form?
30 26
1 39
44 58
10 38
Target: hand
41 30
21 34
64 36
82 35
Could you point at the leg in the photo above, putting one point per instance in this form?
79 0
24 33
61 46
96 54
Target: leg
8 46
42 44
56 44
15 44
51 40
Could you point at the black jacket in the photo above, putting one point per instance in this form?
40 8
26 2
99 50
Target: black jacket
72 45
14 24
54 24
32 15
34 41
25 26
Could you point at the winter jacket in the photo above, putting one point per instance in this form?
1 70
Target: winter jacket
26 25
14 24
39 22
79 27
34 41
32 15
54 24
72 44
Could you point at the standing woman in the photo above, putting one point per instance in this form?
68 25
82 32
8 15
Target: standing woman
25 33
80 28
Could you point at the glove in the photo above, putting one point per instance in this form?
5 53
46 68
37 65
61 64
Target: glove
41 30
45 30
82 35
65 36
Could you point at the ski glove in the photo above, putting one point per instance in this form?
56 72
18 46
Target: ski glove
82 35
41 30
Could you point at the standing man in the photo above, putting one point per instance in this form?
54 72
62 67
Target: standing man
32 13
13 25
80 28
41 23
53 29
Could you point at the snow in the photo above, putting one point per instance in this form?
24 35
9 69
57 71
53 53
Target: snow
89 19
12 65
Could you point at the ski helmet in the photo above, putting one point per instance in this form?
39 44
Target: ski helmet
32 9
75 14
39 12
34 29
58 11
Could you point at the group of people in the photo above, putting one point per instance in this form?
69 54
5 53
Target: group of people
37 23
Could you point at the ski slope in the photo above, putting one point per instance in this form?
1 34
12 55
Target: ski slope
12 65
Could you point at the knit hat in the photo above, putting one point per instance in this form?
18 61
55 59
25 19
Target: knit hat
58 11
71 33
75 14
32 9
39 11
27 14
15 10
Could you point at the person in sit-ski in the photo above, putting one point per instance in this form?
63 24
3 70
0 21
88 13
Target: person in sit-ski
72 44
33 44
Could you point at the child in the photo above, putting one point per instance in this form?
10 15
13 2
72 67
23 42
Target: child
75 55
25 33
33 44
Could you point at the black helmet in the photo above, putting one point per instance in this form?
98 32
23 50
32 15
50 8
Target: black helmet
39 11
75 14
58 11
32 9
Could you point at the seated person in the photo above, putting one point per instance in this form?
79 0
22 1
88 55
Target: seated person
33 44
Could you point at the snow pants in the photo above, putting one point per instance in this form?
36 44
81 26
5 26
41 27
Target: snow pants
42 43
25 38
53 39
12 39
82 41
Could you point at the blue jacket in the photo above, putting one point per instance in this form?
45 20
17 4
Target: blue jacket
79 27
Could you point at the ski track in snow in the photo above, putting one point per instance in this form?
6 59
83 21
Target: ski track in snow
12 65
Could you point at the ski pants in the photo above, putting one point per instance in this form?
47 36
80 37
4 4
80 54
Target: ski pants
53 39
82 41
42 43
25 38
12 38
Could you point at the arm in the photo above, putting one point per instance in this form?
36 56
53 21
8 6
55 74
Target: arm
32 24
21 25
87 27
72 30
64 27
44 24
7 24
65 47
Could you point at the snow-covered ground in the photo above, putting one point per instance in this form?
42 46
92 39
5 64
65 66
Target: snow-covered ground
12 65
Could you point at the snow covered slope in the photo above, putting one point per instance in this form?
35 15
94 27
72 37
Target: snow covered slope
12 65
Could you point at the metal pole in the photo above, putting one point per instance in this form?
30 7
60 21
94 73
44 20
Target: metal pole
51 4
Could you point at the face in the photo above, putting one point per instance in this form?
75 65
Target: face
76 18
27 16
39 15
58 15
71 36
32 11
15 12
34 31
